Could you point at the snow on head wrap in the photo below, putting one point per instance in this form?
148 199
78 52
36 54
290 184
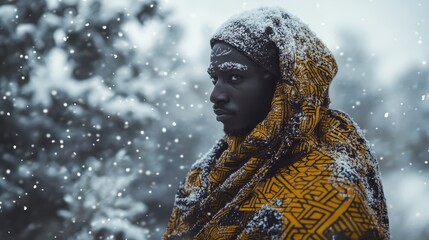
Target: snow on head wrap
256 45
267 31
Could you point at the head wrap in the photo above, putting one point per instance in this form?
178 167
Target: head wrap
277 41
255 45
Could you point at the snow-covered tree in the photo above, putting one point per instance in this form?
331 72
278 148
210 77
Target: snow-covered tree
81 97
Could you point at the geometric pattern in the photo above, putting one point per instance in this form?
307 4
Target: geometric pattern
311 205
304 172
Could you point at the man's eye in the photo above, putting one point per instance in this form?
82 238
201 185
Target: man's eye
235 78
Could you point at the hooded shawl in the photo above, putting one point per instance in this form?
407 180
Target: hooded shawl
304 172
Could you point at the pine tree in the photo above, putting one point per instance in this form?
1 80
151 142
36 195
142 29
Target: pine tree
79 83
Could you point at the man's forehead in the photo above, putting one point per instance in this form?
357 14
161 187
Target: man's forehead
225 58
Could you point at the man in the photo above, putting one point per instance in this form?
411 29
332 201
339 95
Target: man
288 167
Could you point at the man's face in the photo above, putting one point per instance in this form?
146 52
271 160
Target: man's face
242 90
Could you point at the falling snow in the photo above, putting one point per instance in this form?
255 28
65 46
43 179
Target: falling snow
102 115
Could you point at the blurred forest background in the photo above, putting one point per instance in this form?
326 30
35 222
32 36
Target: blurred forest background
101 115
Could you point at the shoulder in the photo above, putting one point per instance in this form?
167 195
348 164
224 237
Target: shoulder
310 177
316 193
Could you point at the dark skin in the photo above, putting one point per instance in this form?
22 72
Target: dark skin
242 91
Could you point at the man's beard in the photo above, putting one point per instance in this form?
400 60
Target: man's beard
238 133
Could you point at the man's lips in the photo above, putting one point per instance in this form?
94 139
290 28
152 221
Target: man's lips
222 114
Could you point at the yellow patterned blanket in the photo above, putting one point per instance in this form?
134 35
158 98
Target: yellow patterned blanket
305 172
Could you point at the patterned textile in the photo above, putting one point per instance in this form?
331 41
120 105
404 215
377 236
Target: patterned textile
305 172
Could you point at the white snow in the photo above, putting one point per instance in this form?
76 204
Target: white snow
227 66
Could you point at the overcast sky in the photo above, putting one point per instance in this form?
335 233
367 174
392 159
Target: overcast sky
395 31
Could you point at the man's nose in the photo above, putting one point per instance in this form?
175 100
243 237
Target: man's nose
219 94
